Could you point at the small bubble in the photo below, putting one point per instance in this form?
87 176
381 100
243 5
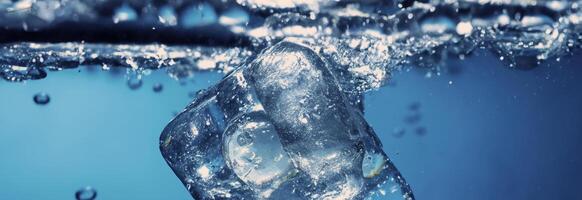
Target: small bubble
134 83
410 16
87 193
420 131
398 132
41 98
414 106
158 87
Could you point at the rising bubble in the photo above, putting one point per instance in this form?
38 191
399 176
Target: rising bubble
41 98
158 87
134 83
86 193
420 131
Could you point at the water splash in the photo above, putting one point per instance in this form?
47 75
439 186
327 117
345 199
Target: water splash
366 41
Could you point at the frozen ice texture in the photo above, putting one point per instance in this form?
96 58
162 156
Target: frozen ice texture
279 128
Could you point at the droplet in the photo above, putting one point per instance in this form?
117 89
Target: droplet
41 98
158 87
134 83
86 193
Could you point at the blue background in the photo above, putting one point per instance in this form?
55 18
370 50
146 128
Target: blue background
492 132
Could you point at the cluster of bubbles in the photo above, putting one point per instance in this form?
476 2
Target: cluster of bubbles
29 61
366 40
413 118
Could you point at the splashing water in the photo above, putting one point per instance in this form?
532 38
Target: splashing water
249 136
366 41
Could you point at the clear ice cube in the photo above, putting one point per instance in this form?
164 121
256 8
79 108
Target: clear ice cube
279 128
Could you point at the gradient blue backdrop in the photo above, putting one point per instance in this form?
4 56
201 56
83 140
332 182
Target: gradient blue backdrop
492 133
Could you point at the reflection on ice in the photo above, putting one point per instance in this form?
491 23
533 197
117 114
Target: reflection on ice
279 128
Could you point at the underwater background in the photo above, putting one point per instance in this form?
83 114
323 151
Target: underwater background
489 123
478 131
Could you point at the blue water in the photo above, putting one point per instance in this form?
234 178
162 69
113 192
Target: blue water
492 133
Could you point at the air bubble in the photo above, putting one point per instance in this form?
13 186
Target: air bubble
398 132
134 83
87 193
414 106
158 87
420 131
41 98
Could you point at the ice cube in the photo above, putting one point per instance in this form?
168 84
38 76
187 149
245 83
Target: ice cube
279 128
